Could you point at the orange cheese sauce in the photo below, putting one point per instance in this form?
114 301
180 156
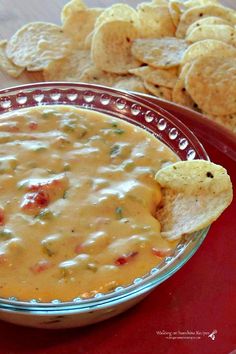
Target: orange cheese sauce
77 203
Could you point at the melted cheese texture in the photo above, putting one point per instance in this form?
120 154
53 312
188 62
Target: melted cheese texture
77 203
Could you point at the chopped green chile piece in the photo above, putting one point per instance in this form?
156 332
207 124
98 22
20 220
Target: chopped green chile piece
5 235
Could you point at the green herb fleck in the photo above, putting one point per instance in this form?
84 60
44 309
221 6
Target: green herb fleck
65 195
115 150
119 212
114 125
39 148
45 215
47 114
129 166
5 235
92 267
119 131
82 134
51 172
47 250
66 167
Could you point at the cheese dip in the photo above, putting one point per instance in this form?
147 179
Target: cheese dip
77 203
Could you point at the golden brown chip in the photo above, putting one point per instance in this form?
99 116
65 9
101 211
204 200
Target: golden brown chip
155 21
159 77
36 44
160 53
179 94
6 65
196 13
194 194
224 33
208 47
99 77
111 47
131 83
69 68
159 91
211 82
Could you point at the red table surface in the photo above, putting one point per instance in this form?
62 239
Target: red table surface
201 296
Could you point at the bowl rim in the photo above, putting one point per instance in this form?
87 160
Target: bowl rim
140 285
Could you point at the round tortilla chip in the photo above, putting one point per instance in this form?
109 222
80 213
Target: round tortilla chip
159 91
117 12
159 77
99 77
176 8
80 24
34 45
180 94
131 83
71 7
211 82
227 121
194 194
111 47
159 53
195 13
155 21
194 3
211 20
69 68
224 33
6 65
208 47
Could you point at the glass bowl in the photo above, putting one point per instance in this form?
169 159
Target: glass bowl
164 126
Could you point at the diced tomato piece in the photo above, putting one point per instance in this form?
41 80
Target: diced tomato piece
13 129
33 125
78 249
40 266
3 259
2 217
125 259
49 185
38 199
161 252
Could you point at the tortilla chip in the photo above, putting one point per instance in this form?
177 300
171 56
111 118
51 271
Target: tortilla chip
131 83
71 7
155 21
211 20
195 13
111 47
226 121
69 68
159 91
180 94
117 12
224 33
159 77
99 77
34 45
211 82
208 47
79 24
6 65
159 53
194 194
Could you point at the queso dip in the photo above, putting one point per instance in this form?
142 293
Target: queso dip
77 203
